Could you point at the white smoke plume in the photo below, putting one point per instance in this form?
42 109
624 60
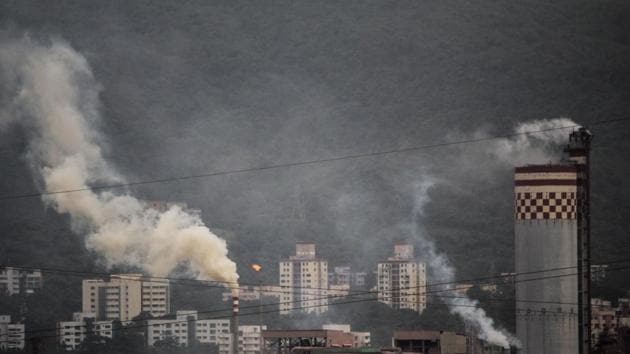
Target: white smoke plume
49 89
442 269
538 147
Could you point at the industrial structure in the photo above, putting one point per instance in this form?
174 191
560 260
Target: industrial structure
402 280
551 237
304 281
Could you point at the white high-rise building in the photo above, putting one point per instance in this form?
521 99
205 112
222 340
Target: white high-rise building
402 280
124 296
304 281
11 334
72 333
19 281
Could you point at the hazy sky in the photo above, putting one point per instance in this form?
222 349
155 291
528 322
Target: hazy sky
198 86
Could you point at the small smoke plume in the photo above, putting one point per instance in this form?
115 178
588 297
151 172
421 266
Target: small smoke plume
441 269
49 89
533 148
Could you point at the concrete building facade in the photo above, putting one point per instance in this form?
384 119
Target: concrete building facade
360 339
604 319
250 339
11 334
401 280
125 296
304 281
438 342
344 276
254 292
14 281
185 327
287 341
551 232
71 334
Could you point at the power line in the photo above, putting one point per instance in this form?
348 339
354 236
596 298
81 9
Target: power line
211 318
346 302
266 312
209 284
336 297
304 163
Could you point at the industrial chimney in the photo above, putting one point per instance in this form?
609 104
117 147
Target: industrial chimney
234 325
552 232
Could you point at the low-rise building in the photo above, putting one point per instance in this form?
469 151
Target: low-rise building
438 342
71 334
11 334
217 331
253 293
286 341
250 339
598 272
603 319
14 281
360 339
185 327
171 328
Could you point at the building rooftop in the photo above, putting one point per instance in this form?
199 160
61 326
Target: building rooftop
420 334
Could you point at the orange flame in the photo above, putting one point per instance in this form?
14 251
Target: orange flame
257 267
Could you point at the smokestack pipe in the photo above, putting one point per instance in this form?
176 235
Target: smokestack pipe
234 325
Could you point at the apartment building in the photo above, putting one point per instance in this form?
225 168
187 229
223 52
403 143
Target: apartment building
250 339
14 281
304 281
186 326
344 276
253 293
71 334
402 280
180 327
124 296
11 334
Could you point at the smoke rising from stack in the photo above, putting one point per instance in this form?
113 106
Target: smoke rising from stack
535 148
441 269
49 89
520 149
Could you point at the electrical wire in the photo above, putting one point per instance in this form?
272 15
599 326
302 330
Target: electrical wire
340 303
214 284
304 163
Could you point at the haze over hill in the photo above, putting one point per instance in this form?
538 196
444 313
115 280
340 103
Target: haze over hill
199 87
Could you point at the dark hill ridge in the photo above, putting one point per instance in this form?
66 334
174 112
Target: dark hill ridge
214 86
